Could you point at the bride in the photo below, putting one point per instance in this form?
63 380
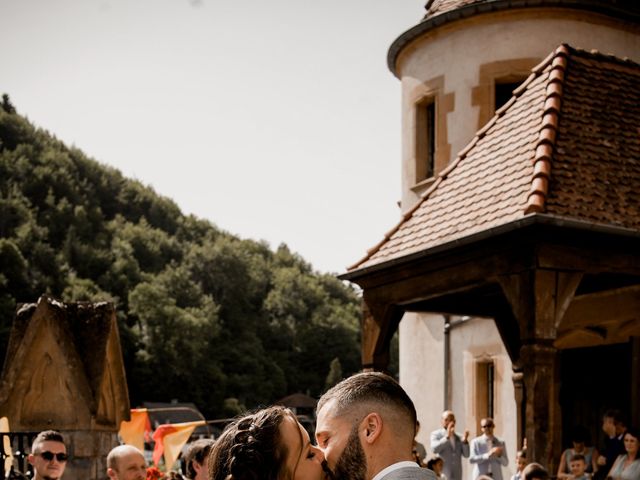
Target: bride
269 444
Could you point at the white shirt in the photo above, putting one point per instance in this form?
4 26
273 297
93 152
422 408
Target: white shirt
395 466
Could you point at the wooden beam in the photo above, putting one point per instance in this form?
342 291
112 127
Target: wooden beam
370 333
379 323
601 308
429 278
630 328
600 258
581 337
540 299
567 284
517 290
508 328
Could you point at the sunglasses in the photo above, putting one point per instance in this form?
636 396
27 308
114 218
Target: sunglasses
489 425
48 456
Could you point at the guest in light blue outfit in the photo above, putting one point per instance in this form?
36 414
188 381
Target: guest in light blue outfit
627 466
450 446
488 452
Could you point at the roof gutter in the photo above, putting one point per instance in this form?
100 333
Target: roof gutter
623 10
526 221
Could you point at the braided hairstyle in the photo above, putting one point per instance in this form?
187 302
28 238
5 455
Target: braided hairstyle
250 448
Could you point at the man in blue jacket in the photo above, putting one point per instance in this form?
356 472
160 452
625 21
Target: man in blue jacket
488 452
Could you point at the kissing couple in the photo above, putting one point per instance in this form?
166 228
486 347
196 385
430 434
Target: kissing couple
364 430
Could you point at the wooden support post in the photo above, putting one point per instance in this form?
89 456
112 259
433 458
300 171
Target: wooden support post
379 323
539 362
370 333
635 380
518 389
539 300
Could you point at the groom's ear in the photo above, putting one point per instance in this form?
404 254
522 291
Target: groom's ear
371 427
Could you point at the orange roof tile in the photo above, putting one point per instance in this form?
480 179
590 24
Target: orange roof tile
567 144
435 7
438 7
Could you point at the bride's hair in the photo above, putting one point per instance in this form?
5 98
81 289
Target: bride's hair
250 448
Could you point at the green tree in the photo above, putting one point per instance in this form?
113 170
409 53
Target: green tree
335 374
203 315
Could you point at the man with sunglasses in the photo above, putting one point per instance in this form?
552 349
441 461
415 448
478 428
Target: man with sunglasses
48 455
488 452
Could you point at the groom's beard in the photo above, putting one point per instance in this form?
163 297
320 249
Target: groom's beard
352 464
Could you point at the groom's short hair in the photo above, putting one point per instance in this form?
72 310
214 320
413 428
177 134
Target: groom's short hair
362 390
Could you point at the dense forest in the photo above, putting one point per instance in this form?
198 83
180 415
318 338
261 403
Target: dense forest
204 316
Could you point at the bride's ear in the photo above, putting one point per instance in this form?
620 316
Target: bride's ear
371 427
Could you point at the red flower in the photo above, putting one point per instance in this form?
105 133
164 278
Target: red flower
154 474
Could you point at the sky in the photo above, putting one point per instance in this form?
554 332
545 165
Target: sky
276 121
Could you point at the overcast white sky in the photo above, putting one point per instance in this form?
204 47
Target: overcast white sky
275 120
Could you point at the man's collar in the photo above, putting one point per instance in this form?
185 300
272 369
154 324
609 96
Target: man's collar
396 466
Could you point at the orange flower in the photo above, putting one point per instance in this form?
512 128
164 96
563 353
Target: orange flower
154 474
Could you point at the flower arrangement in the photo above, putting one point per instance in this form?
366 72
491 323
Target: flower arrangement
154 474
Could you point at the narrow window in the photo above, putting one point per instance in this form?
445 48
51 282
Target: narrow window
485 389
425 139
490 385
503 92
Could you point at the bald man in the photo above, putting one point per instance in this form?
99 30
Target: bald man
365 427
450 446
126 462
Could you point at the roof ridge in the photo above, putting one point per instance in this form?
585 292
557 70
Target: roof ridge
545 144
609 57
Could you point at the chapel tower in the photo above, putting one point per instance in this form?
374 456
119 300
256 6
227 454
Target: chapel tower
457 250
466 56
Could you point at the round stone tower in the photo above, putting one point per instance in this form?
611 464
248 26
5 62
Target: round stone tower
457 67
465 57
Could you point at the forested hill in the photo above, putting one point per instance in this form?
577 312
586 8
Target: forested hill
204 316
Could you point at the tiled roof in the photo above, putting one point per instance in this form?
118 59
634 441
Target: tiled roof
437 7
566 144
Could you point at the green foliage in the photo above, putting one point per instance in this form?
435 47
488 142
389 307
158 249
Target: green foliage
335 374
206 317
232 407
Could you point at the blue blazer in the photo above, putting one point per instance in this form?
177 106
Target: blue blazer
482 463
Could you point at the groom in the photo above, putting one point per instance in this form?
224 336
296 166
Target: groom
365 427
